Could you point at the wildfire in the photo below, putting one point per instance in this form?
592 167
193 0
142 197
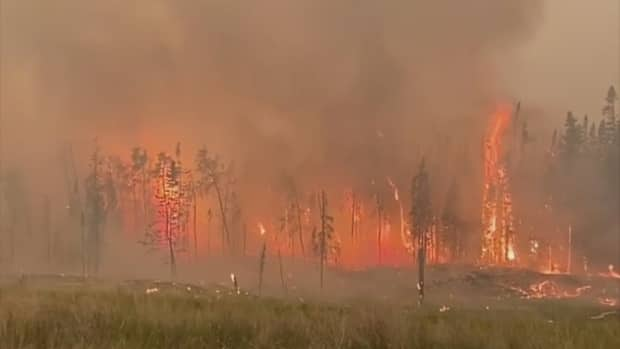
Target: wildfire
511 253
611 272
261 229
498 240
610 302
549 289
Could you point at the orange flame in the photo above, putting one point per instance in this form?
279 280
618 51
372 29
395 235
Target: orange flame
498 240
261 229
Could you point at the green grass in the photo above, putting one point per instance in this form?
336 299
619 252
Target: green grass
83 317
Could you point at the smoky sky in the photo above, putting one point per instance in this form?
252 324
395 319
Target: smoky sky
306 84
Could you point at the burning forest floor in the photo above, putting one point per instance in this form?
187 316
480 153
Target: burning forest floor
466 307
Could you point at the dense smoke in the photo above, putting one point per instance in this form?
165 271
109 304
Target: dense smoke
315 87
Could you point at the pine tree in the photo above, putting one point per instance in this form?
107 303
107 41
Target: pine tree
295 214
584 128
609 114
323 239
421 220
611 142
571 140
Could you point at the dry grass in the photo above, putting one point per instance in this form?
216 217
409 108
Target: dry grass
126 317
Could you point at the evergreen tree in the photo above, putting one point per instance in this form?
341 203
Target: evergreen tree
585 127
611 142
571 140
323 239
609 114
421 220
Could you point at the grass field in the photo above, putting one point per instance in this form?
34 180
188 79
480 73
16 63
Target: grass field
87 316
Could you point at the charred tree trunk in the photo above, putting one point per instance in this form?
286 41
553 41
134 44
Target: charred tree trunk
282 280
225 232
12 227
169 232
195 224
379 231
261 267
209 217
83 244
245 238
322 237
134 198
300 227
353 212
145 201
47 229
421 266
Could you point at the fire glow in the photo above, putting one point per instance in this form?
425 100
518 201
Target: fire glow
498 236
196 207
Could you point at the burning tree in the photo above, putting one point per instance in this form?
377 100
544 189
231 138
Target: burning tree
498 241
323 240
380 226
172 199
421 220
356 215
262 258
292 219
